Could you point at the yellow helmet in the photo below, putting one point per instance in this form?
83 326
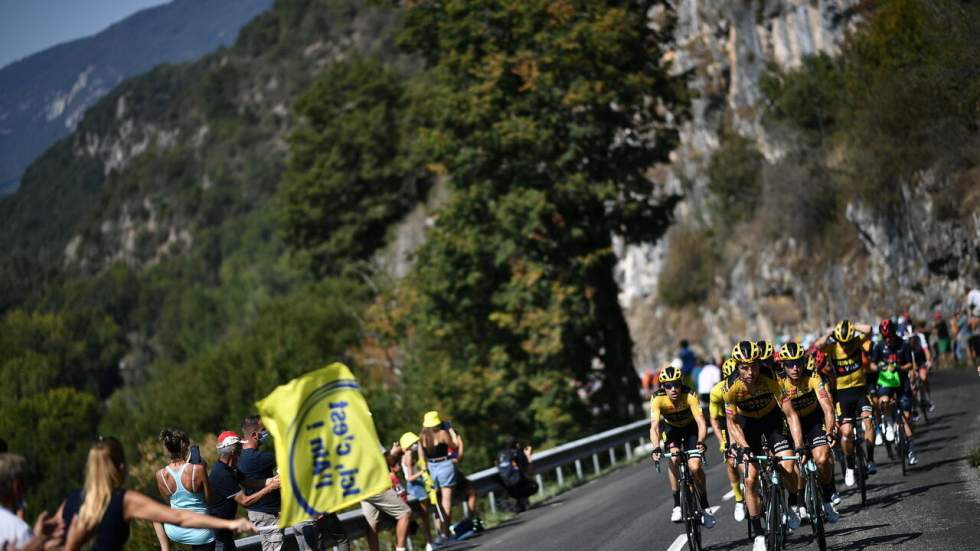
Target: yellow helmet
765 350
843 331
408 440
670 374
728 367
791 351
745 352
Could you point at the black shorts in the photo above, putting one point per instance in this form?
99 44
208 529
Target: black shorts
974 343
851 402
814 431
770 428
685 438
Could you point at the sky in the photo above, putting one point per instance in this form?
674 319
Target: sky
29 26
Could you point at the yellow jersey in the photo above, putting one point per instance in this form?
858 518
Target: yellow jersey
756 401
716 400
803 392
676 414
847 361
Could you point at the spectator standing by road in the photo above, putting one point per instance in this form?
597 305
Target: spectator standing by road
437 438
689 364
257 465
13 529
184 484
707 379
973 343
942 344
226 490
390 503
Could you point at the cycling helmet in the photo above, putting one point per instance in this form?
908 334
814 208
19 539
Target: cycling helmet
670 374
765 350
887 329
728 367
791 351
844 331
745 352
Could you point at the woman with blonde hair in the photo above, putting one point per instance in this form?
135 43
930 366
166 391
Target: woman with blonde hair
102 510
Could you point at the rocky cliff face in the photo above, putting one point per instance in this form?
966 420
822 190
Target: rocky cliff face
772 289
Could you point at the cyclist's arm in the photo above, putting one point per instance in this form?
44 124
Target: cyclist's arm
695 405
735 434
716 426
654 425
827 405
863 328
821 341
794 422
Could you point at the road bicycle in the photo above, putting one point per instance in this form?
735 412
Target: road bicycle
773 498
691 511
860 455
813 499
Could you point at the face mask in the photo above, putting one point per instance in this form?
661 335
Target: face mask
264 436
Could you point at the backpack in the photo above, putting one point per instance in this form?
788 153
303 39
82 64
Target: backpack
510 475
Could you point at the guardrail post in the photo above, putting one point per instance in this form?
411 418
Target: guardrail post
595 463
540 481
612 456
578 468
493 502
408 543
629 451
466 510
561 479
643 441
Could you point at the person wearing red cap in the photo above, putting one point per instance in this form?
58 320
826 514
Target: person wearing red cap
226 489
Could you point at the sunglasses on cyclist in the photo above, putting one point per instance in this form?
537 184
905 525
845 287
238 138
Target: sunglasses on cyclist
795 364
671 386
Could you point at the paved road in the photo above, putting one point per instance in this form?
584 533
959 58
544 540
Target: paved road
936 507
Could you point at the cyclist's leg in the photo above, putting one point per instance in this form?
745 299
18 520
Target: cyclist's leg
694 463
869 438
846 411
670 444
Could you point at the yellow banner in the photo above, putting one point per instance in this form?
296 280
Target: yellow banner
327 449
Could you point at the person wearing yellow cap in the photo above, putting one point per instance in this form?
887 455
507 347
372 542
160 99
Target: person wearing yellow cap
413 467
441 445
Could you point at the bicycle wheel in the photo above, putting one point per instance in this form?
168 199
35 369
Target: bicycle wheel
694 522
774 520
686 513
815 506
922 405
861 469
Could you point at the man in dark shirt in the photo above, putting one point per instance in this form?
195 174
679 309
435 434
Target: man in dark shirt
255 464
226 490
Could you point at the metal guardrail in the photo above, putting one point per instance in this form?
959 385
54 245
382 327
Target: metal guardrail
487 483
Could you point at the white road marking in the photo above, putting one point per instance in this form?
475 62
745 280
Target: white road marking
713 508
679 543
728 496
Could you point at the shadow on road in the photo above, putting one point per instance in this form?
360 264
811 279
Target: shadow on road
890 539
935 464
889 500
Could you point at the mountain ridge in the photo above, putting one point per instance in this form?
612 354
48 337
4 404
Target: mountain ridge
44 95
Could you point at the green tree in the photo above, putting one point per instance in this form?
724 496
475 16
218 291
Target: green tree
545 117
347 177
53 430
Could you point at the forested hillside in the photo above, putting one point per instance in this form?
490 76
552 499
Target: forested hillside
212 230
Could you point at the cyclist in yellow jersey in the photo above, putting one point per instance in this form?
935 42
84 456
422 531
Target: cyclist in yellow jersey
752 407
846 348
716 414
676 411
813 405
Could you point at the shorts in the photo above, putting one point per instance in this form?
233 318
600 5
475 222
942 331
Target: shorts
386 502
685 438
974 343
443 473
769 428
943 346
268 527
851 402
889 391
417 490
904 399
814 431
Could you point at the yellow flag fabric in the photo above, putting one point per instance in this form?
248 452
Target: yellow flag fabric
327 449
